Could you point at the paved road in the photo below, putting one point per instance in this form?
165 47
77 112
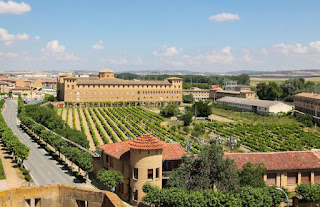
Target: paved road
43 169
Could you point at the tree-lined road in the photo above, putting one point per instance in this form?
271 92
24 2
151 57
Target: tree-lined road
43 168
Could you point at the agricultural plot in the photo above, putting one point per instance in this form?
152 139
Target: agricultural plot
267 137
104 125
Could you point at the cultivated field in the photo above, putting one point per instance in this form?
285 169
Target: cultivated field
104 125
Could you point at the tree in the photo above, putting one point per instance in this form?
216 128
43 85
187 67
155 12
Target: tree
202 109
209 170
252 175
169 111
309 192
188 98
270 91
110 178
187 118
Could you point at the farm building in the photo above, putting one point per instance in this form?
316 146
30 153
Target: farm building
216 93
255 105
198 93
307 103
107 88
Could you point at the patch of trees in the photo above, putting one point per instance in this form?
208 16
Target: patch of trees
309 192
169 111
201 109
11 141
286 90
110 178
212 180
305 119
48 117
188 98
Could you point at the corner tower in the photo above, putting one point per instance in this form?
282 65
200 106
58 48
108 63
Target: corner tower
146 164
106 73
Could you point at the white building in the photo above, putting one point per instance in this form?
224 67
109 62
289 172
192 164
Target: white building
255 105
198 94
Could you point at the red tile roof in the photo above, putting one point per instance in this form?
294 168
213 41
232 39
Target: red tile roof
146 142
295 160
121 150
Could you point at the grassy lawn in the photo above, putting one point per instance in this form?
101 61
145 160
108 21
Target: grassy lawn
2 176
249 117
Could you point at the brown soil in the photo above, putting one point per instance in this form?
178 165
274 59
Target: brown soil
86 128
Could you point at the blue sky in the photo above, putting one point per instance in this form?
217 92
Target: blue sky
211 36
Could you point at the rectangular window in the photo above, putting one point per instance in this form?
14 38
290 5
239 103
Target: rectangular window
135 173
292 178
150 174
135 195
157 172
317 177
271 179
305 177
72 86
122 169
107 158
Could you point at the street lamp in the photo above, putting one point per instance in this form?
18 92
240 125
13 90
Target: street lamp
287 201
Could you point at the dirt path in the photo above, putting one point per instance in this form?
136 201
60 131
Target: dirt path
101 126
64 113
94 127
219 118
86 128
70 119
78 126
116 126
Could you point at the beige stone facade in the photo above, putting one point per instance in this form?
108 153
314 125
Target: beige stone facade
308 103
4 87
217 93
198 94
58 196
106 88
149 163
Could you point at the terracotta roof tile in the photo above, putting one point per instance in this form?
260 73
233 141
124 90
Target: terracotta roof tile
146 142
121 150
295 160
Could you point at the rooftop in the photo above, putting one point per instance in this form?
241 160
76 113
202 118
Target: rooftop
250 102
106 70
121 150
119 81
146 142
309 95
273 161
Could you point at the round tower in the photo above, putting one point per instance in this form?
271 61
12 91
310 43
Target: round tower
146 164
106 73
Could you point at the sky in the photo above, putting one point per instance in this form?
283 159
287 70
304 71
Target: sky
199 36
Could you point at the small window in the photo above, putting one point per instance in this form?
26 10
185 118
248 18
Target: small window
135 195
157 172
150 174
292 178
107 158
135 173
72 86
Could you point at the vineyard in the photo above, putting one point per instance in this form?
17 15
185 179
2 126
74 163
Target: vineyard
104 125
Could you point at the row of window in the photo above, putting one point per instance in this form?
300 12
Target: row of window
123 86
127 92
150 173
292 178
97 98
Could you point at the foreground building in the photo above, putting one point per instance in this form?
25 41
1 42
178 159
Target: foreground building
144 159
308 103
263 107
4 87
197 93
58 195
284 169
107 88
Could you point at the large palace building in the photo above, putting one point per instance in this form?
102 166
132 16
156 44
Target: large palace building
107 88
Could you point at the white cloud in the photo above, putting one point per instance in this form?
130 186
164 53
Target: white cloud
293 48
54 47
224 17
37 37
121 61
98 46
8 54
177 63
315 45
56 50
12 7
166 51
246 56
9 38
223 56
